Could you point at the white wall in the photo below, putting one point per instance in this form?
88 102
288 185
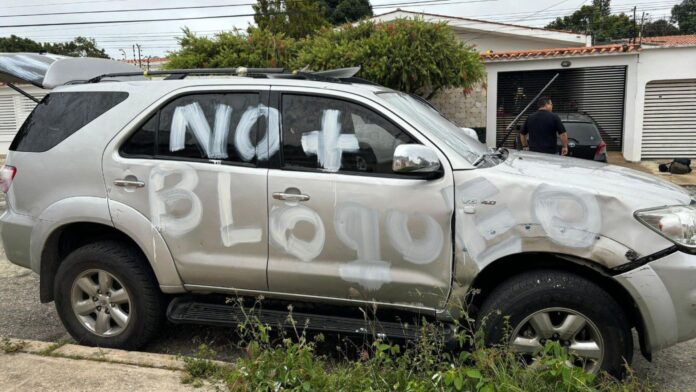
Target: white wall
504 43
656 64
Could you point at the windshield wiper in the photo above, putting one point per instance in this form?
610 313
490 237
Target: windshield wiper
500 152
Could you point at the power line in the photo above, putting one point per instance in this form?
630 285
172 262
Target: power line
127 21
130 10
72 2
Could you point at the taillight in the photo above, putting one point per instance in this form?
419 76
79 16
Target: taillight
7 174
601 149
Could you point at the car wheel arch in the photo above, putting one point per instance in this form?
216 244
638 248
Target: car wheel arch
506 267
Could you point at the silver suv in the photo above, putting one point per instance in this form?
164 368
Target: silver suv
334 194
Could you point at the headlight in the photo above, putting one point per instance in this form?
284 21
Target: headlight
678 223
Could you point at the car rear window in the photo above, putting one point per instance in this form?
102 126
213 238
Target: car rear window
583 133
59 115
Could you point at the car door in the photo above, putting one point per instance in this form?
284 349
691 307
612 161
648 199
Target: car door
342 224
195 167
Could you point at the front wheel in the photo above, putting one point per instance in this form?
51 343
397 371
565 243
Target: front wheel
548 305
106 296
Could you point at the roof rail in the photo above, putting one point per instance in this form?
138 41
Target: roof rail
345 75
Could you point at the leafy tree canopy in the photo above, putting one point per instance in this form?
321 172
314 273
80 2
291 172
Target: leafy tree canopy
596 19
408 55
658 28
684 15
79 47
345 11
293 18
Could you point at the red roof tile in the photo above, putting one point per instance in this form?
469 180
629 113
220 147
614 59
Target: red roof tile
560 52
671 40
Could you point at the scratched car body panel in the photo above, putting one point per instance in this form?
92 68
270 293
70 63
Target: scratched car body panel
301 190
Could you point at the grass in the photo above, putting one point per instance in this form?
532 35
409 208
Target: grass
8 346
282 361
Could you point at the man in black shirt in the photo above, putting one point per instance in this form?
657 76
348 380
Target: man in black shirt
539 131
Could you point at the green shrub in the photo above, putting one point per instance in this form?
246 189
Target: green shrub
294 364
408 55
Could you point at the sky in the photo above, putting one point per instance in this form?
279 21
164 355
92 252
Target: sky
156 38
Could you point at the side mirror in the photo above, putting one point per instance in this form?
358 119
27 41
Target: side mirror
416 159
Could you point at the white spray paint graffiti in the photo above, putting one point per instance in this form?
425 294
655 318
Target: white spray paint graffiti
328 144
232 236
192 117
269 145
284 219
358 228
570 219
418 251
176 210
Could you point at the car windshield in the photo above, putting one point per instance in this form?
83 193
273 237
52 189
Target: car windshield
584 133
431 121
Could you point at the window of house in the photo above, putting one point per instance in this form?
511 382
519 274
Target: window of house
337 136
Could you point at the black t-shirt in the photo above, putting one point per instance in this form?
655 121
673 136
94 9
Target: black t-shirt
542 127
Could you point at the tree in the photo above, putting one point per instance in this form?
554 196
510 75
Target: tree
597 20
79 47
256 48
293 18
408 55
346 11
658 28
684 15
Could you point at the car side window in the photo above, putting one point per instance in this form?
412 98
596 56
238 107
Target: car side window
334 135
202 126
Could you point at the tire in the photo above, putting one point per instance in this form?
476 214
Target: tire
143 308
540 295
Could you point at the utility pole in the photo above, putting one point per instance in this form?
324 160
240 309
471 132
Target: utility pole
124 54
635 27
140 60
134 53
640 32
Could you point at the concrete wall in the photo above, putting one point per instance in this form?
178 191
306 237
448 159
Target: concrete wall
464 108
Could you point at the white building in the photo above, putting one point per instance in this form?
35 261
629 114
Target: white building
643 97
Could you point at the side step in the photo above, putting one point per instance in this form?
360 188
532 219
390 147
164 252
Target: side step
183 311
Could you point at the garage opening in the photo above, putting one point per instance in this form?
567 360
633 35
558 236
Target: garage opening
669 119
596 91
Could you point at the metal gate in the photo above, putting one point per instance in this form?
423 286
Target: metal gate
669 119
596 91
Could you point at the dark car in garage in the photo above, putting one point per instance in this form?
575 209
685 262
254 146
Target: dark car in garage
584 138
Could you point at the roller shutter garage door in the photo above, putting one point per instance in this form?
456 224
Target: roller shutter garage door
669 119
595 91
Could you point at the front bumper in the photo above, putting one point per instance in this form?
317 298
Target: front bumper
665 293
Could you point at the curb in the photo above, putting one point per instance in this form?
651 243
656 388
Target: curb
74 351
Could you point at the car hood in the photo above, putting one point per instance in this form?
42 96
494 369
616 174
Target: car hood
637 189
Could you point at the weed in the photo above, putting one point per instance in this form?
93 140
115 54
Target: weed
10 346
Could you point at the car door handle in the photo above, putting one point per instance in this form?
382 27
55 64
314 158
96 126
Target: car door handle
290 196
129 183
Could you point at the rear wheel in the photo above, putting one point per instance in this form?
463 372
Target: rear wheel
548 305
106 296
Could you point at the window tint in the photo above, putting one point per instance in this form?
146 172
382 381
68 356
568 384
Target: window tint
583 133
203 126
337 136
142 142
59 115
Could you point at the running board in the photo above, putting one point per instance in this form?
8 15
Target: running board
192 312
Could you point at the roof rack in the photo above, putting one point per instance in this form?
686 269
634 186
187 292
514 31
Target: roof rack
340 75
